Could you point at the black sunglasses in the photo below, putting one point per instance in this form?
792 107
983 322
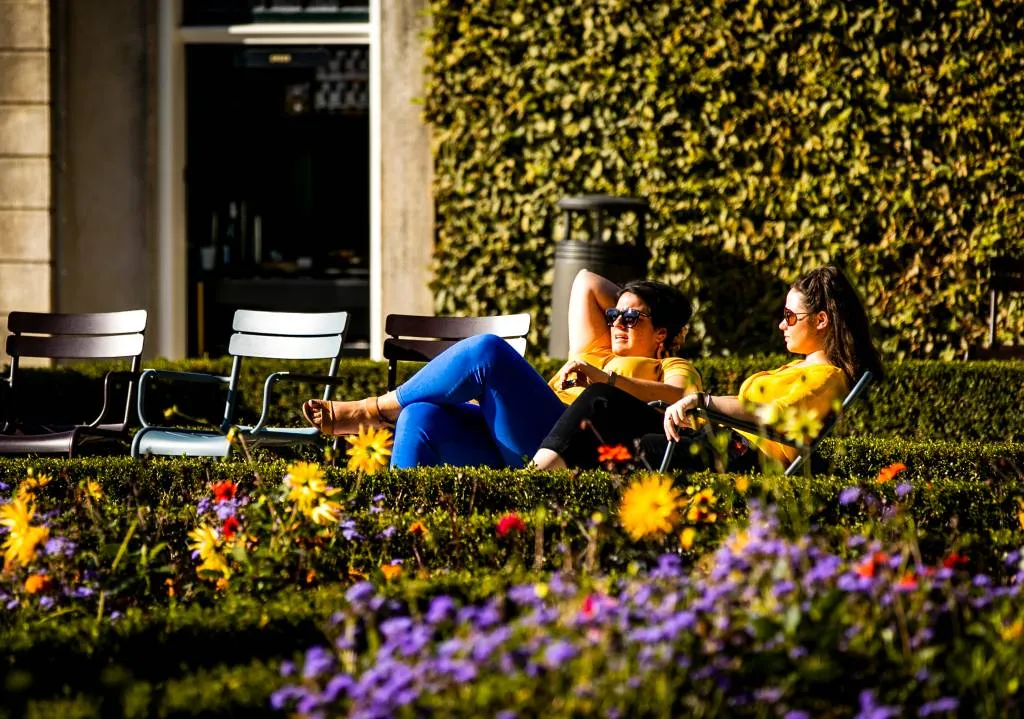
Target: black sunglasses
792 317
629 317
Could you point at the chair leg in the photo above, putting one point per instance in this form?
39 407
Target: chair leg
666 460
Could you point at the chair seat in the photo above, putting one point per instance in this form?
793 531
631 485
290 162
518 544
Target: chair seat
65 441
206 443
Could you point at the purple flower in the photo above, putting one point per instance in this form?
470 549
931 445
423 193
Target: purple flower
318 661
945 704
902 490
287 668
849 495
558 653
45 602
387 533
348 530
870 709
225 509
982 580
280 698
441 608
338 684
796 714
204 506
359 595
59 545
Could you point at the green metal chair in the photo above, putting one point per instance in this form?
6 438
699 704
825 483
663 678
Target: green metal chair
267 335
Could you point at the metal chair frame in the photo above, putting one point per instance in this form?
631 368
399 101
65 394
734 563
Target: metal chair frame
97 335
806 451
257 334
421 338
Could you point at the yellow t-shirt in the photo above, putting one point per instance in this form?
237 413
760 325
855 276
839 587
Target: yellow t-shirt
810 388
634 367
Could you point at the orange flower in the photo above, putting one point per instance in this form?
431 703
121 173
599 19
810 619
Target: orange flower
891 471
37 583
391 571
418 529
908 581
613 453
866 568
223 491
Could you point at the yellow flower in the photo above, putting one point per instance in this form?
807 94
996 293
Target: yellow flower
369 451
30 485
37 583
1013 631
391 571
700 507
650 507
93 489
22 536
686 538
801 426
742 484
215 563
307 487
737 542
204 541
326 512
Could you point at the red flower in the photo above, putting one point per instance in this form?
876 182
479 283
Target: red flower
589 606
955 560
613 453
510 522
223 491
230 527
866 568
891 471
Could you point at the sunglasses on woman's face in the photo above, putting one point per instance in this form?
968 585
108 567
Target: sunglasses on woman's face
792 317
629 317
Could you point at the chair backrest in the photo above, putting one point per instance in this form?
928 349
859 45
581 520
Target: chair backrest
859 387
98 335
95 335
421 338
286 336
1006 276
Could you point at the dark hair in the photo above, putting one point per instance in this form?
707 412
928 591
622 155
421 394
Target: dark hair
670 308
848 344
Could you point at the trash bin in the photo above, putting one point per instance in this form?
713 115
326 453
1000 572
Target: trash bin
616 260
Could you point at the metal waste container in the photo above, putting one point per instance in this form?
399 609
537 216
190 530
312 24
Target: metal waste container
618 261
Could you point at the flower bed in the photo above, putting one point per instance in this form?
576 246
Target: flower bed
232 569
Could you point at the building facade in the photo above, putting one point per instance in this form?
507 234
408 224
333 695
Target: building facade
194 157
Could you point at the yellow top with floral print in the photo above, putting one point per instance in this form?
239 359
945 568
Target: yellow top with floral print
814 389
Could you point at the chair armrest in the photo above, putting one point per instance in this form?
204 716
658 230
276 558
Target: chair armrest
109 381
195 377
275 377
744 426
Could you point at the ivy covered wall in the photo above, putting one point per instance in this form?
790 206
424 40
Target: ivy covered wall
769 136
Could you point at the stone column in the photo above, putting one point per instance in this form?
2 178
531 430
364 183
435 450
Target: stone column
407 205
25 256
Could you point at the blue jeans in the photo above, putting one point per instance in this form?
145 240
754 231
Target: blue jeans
515 412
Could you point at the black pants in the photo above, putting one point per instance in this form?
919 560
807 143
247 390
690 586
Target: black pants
608 415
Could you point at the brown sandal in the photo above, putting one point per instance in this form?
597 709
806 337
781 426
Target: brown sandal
362 413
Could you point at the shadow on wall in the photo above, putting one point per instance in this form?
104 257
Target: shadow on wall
739 304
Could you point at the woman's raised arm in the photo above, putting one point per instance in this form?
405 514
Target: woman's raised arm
591 295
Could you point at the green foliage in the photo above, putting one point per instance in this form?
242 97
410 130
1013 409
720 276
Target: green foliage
769 138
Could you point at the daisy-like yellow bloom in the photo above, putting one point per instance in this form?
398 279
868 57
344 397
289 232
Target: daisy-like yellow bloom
369 450
650 507
22 536
306 486
700 507
742 484
801 426
205 541
326 513
30 485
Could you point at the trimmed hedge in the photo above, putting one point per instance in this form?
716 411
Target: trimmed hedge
919 399
768 138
